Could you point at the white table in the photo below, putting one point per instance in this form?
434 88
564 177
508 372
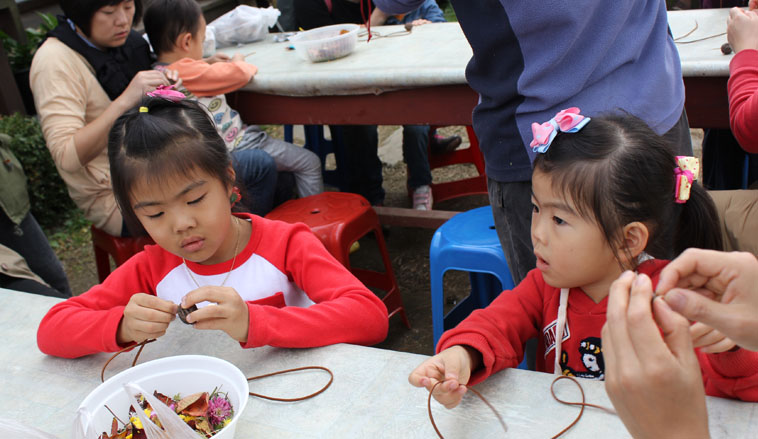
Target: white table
370 396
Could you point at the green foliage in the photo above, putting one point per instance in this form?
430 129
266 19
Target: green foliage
20 55
49 197
449 13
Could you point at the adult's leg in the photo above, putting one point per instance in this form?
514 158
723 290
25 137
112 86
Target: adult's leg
30 286
28 240
679 136
512 210
738 216
364 169
257 172
415 142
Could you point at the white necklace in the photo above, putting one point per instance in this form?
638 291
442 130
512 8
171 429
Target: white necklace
234 259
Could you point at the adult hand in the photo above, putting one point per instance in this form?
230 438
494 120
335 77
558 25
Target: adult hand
742 29
453 366
709 340
145 317
227 311
653 382
716 288
218 57
752 4
143 82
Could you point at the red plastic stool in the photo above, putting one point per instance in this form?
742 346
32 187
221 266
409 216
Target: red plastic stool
121 249
464 187
339 219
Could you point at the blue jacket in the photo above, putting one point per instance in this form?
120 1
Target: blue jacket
533 59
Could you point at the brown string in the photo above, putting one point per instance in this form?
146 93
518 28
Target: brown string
136 357
331 378
431 417
583 404
142 346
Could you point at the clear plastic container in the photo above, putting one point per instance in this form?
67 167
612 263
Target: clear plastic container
184 374
326 43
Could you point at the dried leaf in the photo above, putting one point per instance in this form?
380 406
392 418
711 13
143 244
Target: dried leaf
163 398
193 405
203 425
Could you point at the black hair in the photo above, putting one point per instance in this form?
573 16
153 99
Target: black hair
169 139
165 20
82 11
617 170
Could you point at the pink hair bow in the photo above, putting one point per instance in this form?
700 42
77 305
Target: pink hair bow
568 121
686 171
166 92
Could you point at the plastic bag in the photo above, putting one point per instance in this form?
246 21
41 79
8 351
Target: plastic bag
243 24
173 426
11 429
209 45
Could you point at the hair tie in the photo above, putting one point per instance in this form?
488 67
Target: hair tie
166 92
567 121
685 174
143 109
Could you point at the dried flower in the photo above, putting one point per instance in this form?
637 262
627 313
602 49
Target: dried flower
218 410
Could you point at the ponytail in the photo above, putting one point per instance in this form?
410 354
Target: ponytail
698 225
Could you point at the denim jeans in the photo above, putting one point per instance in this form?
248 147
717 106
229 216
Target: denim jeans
415 143
256 171
28 240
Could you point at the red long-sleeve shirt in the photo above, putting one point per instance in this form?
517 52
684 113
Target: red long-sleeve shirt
530 310
743 98
297 294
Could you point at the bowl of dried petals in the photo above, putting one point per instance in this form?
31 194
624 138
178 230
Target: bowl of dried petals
187 396
326 43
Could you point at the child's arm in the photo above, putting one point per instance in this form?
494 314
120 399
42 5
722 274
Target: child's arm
742 32
731 374
203 79
90 323
453 366
499 331
345 311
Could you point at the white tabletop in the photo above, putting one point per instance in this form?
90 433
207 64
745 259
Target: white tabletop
370 396
437 54
700 50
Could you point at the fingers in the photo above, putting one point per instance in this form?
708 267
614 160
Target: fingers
171 75
700 309
643 331
675 329
443 367
145 316
616 342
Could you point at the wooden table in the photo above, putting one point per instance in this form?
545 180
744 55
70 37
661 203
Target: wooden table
370 396
420 79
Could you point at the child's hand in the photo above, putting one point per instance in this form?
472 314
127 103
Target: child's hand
420 22
217 57
228 312
238 57
453 366
742 29
710 340
145 317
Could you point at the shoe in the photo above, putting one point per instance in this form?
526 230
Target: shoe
422 198
441 145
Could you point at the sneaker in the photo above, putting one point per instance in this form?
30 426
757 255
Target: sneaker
422 198
441 145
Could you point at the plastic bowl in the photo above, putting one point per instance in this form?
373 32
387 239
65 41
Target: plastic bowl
184 374
326 43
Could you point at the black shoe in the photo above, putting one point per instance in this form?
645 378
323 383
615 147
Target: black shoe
441 145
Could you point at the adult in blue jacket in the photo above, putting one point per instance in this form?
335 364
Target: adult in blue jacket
533 59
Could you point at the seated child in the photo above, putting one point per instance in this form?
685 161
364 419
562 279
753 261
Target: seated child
176 29
608 196
273 283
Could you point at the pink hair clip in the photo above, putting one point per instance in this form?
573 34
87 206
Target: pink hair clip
686 171
166 92
567 121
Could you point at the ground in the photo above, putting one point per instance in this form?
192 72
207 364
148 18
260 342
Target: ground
408 247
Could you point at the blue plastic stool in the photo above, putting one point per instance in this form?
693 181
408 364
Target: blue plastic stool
467 242
315 141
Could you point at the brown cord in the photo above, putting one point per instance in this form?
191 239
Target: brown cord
431 417
583 404
331 379
142 346
136 357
